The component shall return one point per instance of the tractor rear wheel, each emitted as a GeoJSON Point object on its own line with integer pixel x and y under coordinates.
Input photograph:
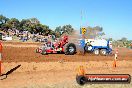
{"type": "Point", "coordinates": [70, 49]}
{"type": "Point", "coordinates": [88, 48]}
{"type": "Point", "coordinates": [37, 50]}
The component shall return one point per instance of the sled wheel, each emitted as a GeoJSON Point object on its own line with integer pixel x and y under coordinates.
{"type": "Point", "coordinates": [96, 51]}
{"type": "Point", "coordinates": [103, 52]}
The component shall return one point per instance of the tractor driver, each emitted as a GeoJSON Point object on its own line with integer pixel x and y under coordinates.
{"type": "Point", "coordinates": [89, 43]}
{"type": "Point", "coordinates": [45, 45]}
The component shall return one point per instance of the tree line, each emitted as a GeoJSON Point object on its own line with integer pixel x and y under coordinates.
{"type": "Point", "coordinates": [123, 42]}
{"type": "Point", "coordinates": [32, 25]}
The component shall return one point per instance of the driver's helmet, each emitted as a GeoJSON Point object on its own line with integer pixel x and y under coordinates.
{"type": "Point", "coordinates": [48, 42]}
{"type": "Point", "coordinates": [55, 40]}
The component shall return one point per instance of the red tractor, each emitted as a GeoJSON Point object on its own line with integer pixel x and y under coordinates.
{"type": "Point", "coordinates": [58, 47]}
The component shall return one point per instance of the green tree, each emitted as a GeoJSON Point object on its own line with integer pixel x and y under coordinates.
{"type": "Point", "coordinates": [14, 23]}
{"type": "Point", "coordinates": [68, 29]}
{"type": "Point", "coordinates": [3, 19]}
{"type": "Point", "coordinates": [111, 39]}
{"type": "Point", "coordinates": [123, 39]}
{"type": "Point", "coordinates": [58, 29]}
{"type": "Point", "coordinates": [24, 24]}
{"type": "Point", "coordinates": [33, 25]}
{"type": "Point", "coordinates": [3, 23]}
{"type": "Point", "coordinates": [34, 21]}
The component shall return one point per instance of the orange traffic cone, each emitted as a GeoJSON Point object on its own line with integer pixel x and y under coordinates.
{"type": "Point", "coordinates": [114, 64]}
{"type": "Point", "coordinates": [115, 58]}
{"type": "Point", "coordinates": [81, 70]}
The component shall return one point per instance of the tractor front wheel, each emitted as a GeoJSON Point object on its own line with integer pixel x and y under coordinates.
{"type": "Point", "coordinates": [43, 52]}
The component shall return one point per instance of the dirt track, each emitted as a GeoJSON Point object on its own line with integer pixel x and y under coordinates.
{"type": "Point", "coordinates": [25, 52]}
{"type": "Point", "coordinates": [57, 70]}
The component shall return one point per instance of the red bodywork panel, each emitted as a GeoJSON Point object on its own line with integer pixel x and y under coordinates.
{"type": "Point", "coordinates": [57, 45]}
{"type": "Point", "coordinates": [49, 50]}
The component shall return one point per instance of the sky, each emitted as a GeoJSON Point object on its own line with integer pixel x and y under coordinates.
{"type": "Point", "coordinates": [115, 16]}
